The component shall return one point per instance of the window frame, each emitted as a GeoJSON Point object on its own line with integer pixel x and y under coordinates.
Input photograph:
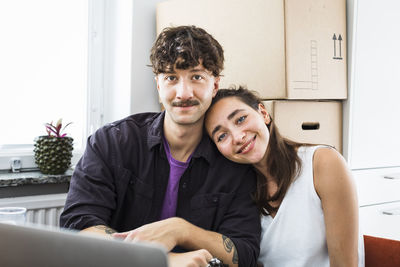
{"type": "Point", "coordinates": [97, 53]}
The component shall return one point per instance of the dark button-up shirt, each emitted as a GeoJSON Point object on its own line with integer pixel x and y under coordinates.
{"type": "Point", "coordinates": [121, 180]}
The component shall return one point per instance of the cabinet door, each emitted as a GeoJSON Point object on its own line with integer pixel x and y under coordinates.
{"type": "Point", "coordinates": [374, 84]}
{"type": "Point", "coordinates": [381, 220]}
{"type": "Point", "coordinates": [377, 186]}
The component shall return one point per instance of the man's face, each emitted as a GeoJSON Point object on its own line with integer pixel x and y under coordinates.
{"type": "Point", "coordinates": [187, 94]}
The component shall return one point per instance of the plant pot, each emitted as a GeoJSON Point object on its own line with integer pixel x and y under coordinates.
{"type": "Point", "coordinates": [53, 154]}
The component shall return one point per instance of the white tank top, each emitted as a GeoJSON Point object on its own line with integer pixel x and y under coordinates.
{"type": "Point", "coordinates": [296, 235]}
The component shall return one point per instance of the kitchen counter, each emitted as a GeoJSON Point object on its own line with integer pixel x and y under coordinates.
{"type": "Point", "coordinates": [33, 183]}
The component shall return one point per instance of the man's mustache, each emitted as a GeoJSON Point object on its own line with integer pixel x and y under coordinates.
{"type": "Point", "coordinates": [186, 103]}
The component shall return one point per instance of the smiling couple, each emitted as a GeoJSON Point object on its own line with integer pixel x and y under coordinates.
{"type": "Point", "coordinates": [211, 177]}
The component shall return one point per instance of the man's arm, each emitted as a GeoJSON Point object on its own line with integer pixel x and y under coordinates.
{"type": "Point", "coordinates": [221, 246]}
{"type": "Point", "coordinates": [178, 232]}
{"type": "Point", "coordinates": [102, 230]}
{"type": "Point", "coordinates": [199, 257]}
{"type": "Point", "coordinates": [91, 195]}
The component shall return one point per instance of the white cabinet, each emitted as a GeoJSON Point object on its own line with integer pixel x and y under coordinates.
{"type": "Point", "coordinates": [381, 220]}
{"type": "Point", "coordinates": [373, 188]}
{"type": "Point", "coordinates": [372, 111]}
{"type": "Point", "coordinates": [379, 201]}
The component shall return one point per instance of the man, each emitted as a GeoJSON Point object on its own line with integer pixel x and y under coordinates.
{"type": "Point", "coordinates": [157, 177]}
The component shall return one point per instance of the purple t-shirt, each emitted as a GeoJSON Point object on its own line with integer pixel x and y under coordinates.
{"type": "Point", "coordinates": [176, 170]}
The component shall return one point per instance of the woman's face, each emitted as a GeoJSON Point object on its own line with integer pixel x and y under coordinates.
{"type": "Point", "coordinates": [239, 131]}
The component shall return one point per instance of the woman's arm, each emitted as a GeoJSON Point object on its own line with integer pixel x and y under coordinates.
{"type": "Point", "coordinates": [335, 187]}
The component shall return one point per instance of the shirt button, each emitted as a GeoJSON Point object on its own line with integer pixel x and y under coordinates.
{"type": "Point", "coordinates": [215, 199]}
{"type": "Point", "coordinates": [184, 185]}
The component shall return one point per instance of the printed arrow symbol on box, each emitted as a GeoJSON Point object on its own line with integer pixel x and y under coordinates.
{"type": "Point", "coordinates": [340, 45]}
{"type": "Point", "coordinates": [334, 45]}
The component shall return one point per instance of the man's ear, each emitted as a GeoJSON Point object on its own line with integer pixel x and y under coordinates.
{"type": "Point", "coordinates": [216, 85]}
{"type": "Point", "coordinates": [264, 113]}
{"type": "Point", "coordinates": [156, 78]}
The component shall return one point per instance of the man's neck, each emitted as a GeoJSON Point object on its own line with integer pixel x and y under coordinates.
{"type": "Point", "coordinates": [182, 139]}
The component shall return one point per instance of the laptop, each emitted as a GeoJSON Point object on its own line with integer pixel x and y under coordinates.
{"type": "Point", "coordinates": [41, 246]}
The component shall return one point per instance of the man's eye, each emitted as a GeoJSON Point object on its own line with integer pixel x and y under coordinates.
{"type": "Point", "coordinates": [241, 119]}
{"type": "Point", "coordinates": [197, 77]}
{"type": "Point", "coordinates": [170, 78]}
{"type": "Point", "coordinates": [221, 137]}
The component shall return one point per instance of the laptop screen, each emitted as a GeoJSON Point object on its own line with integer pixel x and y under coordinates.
{"type": "Point", "coordinates": [39, 246]}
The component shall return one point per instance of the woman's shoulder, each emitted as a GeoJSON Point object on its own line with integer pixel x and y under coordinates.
{"type": "Point", "coordinates": [327, 157]}
{"type": "Point", "coordinates": [318, 155]}
{"type": "Point", "coordinates": [330, 170]}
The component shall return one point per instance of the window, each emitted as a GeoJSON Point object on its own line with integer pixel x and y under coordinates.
{"type": "Point", "coordinates": [51, 53]}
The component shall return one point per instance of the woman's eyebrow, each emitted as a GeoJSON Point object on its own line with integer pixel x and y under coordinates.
{"type": "Point", "coordinates": [236, 111]}
{"type": "Point", "coordinates": [216, 129]}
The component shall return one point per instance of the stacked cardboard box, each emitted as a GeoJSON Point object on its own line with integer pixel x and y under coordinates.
{"type": "Point", "coordinates": [315, 122]}
{"type": "Point", "coordinates": [286, 50]}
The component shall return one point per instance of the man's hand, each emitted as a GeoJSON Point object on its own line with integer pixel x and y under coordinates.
{"type": "Point", "coordinates": [179, 232]}
{"type": "Point", "coordinates": [195, 258]}
{"type": "Point", "coordinates": [166, 232]}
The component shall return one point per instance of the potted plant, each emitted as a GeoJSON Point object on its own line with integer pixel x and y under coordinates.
{"type": "Point", "coordinates": [53, 152]}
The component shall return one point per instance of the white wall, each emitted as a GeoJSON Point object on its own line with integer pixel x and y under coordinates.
{"type": "Point", "coordinates": [129, 86]}
{"type": "Point", "coordinates": [351, 13]}
{"type": "Point", "coordinates": [117, 62]}
{"type": "Point", "coordinates": [372, 111]}
{"type": "Point", "coordinates": [144, 91]}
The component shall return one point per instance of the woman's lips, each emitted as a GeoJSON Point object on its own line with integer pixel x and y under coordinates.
{"type": "Point", "coordinates": [247, 146]}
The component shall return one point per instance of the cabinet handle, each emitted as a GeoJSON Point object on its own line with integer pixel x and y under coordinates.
{"type": "Point", "coordinates": [395, 211]}
{"type": "Point", "coordinates": [392, 176]}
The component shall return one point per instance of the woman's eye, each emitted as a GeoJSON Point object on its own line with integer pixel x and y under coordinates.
{"type": "Point", "coordinates": [241, 119]}
{"type": "Point", "coordinates": [221, 137]}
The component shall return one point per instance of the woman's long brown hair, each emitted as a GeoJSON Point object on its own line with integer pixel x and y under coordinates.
{"type": "Point", "coordinates": [283, 163]}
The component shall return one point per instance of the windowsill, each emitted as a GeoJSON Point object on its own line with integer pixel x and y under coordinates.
{"type": "Point", "coordinates": [33, 183]}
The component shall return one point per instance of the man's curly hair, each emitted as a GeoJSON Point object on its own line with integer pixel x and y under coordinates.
{"type": "Point", "coordinates": [185, 47]}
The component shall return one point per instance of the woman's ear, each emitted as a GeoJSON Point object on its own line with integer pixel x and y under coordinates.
{"type": "Point", "coordinates": [264, 113]}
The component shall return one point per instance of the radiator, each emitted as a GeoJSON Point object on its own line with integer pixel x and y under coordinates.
{"type": "Point", "coordinates": [44, 209]}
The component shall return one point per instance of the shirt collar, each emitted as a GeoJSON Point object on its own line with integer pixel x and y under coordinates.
{"type": "Point", "coordinates": [206, 148]}
{"type": "Point", "coordinates": [154, 134]}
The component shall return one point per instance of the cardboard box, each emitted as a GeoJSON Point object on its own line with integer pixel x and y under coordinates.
{"type": "Point", "coordinates": [316, 49]}
{"type": "Point", "coordinates": [315, 122]}
{"type": "Point", "coordinates": [253, 34]}
{"type": "Point", "coordinates": [250, 32]}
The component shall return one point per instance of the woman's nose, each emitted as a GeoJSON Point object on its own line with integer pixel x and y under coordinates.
{"type": "Point", "coordinates": [239, 137]}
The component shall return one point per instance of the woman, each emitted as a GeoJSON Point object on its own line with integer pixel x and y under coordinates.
{"type": "Point", "coordinates": [305, 193]}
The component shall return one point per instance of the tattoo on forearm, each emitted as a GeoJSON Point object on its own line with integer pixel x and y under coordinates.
{"type": "Point", "coordinates": [229, 246]}
{"type": "Point", "coordinates": [235, 258]}
{"type": "Point", "coordinates": [106, 229]}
